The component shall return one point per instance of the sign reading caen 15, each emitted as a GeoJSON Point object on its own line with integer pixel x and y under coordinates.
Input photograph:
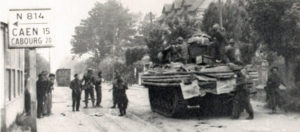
{"type": "Point", "coordinates": [30, 28]}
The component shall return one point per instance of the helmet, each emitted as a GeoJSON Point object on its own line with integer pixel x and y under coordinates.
{"type": "Point", "coordinates": [231, 41]}
{"type": "Point", "coordinates": [179, 39]}
{"type": "Point", "coordinates": [216, 26]}
{"type": "Point", "coordinates": [44, 73]}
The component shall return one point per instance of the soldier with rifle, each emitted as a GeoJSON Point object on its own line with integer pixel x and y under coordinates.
{"type": "Point", "coordinates": [120, 87]}
{"type": "Point", "coordinates": [241, 98]}
{"type": "Point", "coordinates": [89, 83]}
{"type": "Point", "coordinates": [272, 88]}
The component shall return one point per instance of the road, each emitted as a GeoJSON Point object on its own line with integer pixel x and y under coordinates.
{"type": "Point", "coordinates": [139, 117]}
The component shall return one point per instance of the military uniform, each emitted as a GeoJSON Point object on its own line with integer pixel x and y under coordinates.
{"type": "Point", "coordinates": [47, 97]}
{"type": "Point", "coordinates": [52, 78]}
{"type": "Point", "coordinates": [89, 82]}
{"type": "Point", "coordinates": [184, 52]}
{"type": "Point", "coordinates": [76, 93]}
{"type": "Point", "coordinates": [220, 41]}
{"type": "Point", "coordinates": [241, 99]}
{"type": "Point", "coordinates": [232, 53]}
{"type": "Point", "coordinates": [121, 97]}
{"type": "Point", "coordinates": [41, 87]}
{"type": "Point", "coordinates": [272, 89]}
{"type": "Point", "coordinates": [98, 89]}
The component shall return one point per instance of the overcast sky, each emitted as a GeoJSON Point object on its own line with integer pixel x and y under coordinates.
{"type": "Point", "coordinates": [67, 14]}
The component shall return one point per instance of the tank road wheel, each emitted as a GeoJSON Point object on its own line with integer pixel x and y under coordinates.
{"type": "Point", "coordinates": [216, 104]}
{"type": "Point", "coordinates": [153, 98]}
{"type": "Point", "coordinates": [167, 101]}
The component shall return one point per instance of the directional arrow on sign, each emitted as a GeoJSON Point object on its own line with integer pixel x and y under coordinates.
{"type": "Point", "coordinates": [16, 23]}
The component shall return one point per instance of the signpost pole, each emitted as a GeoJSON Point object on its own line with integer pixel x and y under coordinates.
{"type": "Point", "coordinates": [32, 86]}
{"type": "Point", "coordinates": [31, 28]}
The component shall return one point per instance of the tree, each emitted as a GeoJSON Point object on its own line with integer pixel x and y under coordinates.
{"type": "Point", "coordinates": [147, 24]}
{"type": "Point", "coordinates": [134, 55]}
{"type": "Point", "coordinates": [154, 41]}
{"type": "Point", "coordinates": [236, 25]}
{"type": "Point", "coordinates": [41, 64]}
{"type": "Point", "coordinates": [275, 22]}
{"type": "Point", "coordinates": [108, 24]}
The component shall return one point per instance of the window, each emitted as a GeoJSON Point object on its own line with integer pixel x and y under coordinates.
{"type": "Point", "coordinates": [8, 83]}
{"type": "Point", "coordinates": [22, 84]}
{"type": "Point", "coordinates": [14, 82]}
{"type": "Point", "coordinates": [19, 82]}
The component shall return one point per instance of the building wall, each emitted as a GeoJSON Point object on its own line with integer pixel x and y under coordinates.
{"type": "Point", "coordinates": [2, 69]}
{"type": "Point", "coordinates": [13, 71]}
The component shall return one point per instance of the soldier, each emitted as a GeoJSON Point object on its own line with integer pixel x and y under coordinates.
{"type": "Point", "coordinates": [272, 87]}
{"type": "Point", "coordinates": [241, 99]}
{"type": "Point", "coordinates": [98, 89]}
{"type": "Point", "coordinates": [220, 41]}
{"type": "Point", "coordinates": [89, 82]}
{"type": "Point", "coordinates": [49, 93]}
{"type": "Point", "coordinates": [121, 97]}
{"type": "Point", "coordinates": [183, 48]}
{"type": "Point", "coordinates": [232, 53]}
{"type": "Point", "coordinates": [76, 92]}
{"type": "Point", "coordinates": [114, 91]}
{"type": "Point", "coordinates": [42, 85]}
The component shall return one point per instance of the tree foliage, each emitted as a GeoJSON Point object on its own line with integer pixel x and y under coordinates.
{"type": "Point", "coordinates": [134, 55]}
{"type": "Point", "coordinates": [41, 64]}
{"type": "Point", "coordinates": [108, 24]}
{"type": "Point", "coordinates": [236, 25]}
{"type": "Point", "coordinates": [154, 41]}
{"type": "Point", "coordinates": [235, 20]}
{"type": "Point", "coordinates": [275, 23]}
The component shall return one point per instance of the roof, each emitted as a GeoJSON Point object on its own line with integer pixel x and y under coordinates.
{"type": "Point", "coordinates": [179, 12]}
{"type": "Point", "coordinates": [167, 8]}
{"type": "Point", "coordinates": [178, 4]}
{"type": "Point", "coordinates": [196, 5]}
{"type": "Point", "coordinates": [189, 2]}
{"type": "Point", "coordinates": [161, 18]}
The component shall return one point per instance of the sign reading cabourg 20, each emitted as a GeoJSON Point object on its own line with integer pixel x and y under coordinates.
{"type": "Point", "coordinates": [30, 28]}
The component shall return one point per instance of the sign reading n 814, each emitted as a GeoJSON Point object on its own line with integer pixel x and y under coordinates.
{"type": "Point", "coordinates": [30, 28]}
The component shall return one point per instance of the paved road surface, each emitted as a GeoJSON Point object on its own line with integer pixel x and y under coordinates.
{"type": "Point", "coordinates": [141, 119]}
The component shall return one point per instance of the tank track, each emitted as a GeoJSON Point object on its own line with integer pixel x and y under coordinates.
{"type": "Point", "coordinates": [167, 101]}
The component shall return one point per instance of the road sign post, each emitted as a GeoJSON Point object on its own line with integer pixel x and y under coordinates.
{"type": "Point", "coordinates": [30, 28]}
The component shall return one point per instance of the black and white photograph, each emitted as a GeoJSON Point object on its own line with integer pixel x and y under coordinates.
{"type": "Point", "coordinates": [149, 65]}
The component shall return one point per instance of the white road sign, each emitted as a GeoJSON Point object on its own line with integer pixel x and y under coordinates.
{"type": "Point", "coordinates": [30, 28]}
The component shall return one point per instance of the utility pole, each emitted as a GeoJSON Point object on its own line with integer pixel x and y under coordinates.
{"type": "Point", "coordinates": [220, 13]}
{"type": "Point", "coordinates": [32, 87]}
{"type": "Point", "coordinates": [113, 50]}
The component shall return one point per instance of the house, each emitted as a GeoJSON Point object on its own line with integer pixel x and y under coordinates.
{"type": "Point", "coordinates": [11, 80]}
{"type": "Point", "coordinates": [183, 10]}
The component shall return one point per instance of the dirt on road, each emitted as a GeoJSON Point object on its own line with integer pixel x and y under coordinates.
{"type": "Point", "coordinates": [140, 118]}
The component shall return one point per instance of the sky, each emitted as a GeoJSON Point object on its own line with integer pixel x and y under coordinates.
{"type": "Point", "coordinates": [67, 15]}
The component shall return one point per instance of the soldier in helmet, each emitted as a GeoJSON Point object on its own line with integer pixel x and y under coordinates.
{"type": "Point", "coordinates": [182, 50]}
{"type": "Point", "coordinates": [218, 35]}
{"type": "Point", "coordinates": [114, 90]}
{"type": "Point", "coordinates": [98, 89]}
{"type": "Point", "coordinates": [241, 99]}
{"type": "Point", "coordinates": [272, 88]}
{"type": "Point", "coordinates": [89, 83]}
{"type": "Point", "coordinates": [232, 53]}
{"type": "Point", "coordinates": [120, 87]}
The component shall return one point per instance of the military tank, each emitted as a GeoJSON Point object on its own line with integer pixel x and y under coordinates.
{"type": "Point", "coordinates": [203, 82]}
